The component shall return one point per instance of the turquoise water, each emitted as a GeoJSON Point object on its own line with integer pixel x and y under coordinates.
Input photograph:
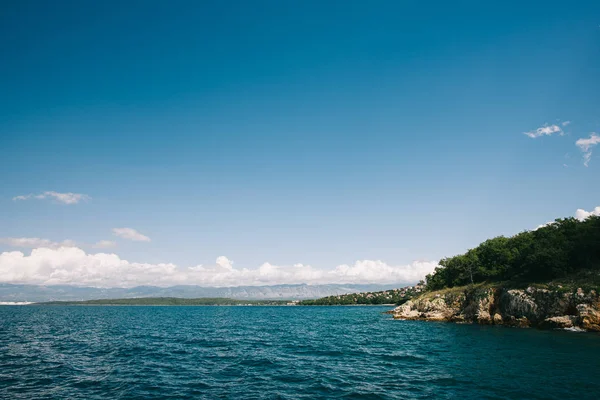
{"type": "Point", "coordinates": [282, 353]}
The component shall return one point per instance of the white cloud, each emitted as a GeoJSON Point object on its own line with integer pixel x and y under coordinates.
{"type": "Point", "coordinates": [580, 214]}
{"type": "Point", "coordinates": [566, 123]}
{"type": "Point", "coordinates": [64, 198]}
{"type": "Point", "coordinates": [546, 130]}
{"type": "Point", "coordinates": [378, 271]}
{"type": "Point", "coordinates": [130, 234]}
{"type": "Point", "coordinates": [583, 215]}
{"type": "Point", "coordinates": [104, 244]}
{"type": "Point", "coordinates": [224, 262]}
{"type": "Point", "coordinates": [544, 225]}
{"type": "Point", "coordinates": [68, 265]}
{"type": "Point", "coordinates": [585, 145]}
{"type": "Point", "coordinates": [32, 243]}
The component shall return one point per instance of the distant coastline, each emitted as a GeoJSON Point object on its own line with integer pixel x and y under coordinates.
{"type": "Point", "coordinates": [168, 301]}
{"type": "Point", "coordinates": [178, 302]}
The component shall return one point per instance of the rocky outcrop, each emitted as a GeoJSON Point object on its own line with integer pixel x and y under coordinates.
{"type": "Point", "coordinates": [590, 316]}
{"type": "Point", "coordinates": [532, 307]}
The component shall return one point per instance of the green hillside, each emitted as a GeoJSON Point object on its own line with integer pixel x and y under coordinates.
{"type": "Point", "coordinates": [560, 250]}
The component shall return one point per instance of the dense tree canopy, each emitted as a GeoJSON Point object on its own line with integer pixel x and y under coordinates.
{"type": "Point", "coordinates": [556, 250]}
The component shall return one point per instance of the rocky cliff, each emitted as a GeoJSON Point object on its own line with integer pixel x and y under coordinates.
{"type": "Point", "coordinates": [531, 307]}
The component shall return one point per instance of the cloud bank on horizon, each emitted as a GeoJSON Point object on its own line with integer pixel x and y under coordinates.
{"type": "Point", "coordinates": [55, 263]}
{"type": "Point", "coordinates": [67, 263]}
{"type": "Point", "coordinates": [72, 265]}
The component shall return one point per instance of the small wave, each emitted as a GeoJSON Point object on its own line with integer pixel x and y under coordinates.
{"type": "Point", "coordinates": [574, 329]}
{"type": "Point", "coordinates": [404, 357]}
{"type": "Point", "coordinates": [346, 352]}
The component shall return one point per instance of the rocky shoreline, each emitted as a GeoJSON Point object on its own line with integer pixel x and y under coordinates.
{"type": "Point", "coordinates": [531, 307]}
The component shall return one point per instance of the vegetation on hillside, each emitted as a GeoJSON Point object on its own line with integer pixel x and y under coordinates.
{"type": "Point", "coordinates": [168, 301]}
{"type": "Point", "coordinates": [393, 296]}
{"type": "Point", "coordinates": [562, 249]}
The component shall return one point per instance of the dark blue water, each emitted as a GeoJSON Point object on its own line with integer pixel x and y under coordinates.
{"type": "Point", "coordinates": [282, 353]}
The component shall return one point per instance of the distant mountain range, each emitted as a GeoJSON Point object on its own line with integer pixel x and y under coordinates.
{"type": "Point", "coordinates": [34, 293]}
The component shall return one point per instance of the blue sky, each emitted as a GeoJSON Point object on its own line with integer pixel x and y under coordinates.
{"type": "Point", "coordinates": [313, 132]}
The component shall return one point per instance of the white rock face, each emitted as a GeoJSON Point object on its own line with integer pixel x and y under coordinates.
{"type": "Point", "coordinates": [519, 304]}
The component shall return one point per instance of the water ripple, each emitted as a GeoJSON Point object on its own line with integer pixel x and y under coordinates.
{"type": "Point", "coordinates": [281, 353]}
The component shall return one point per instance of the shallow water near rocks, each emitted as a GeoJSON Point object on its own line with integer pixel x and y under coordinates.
{"type": "Point", "coordinates": [58, 352]}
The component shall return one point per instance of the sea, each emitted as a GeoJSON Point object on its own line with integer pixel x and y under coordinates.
{"type": "Point", "coordinates": [279, 352]}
